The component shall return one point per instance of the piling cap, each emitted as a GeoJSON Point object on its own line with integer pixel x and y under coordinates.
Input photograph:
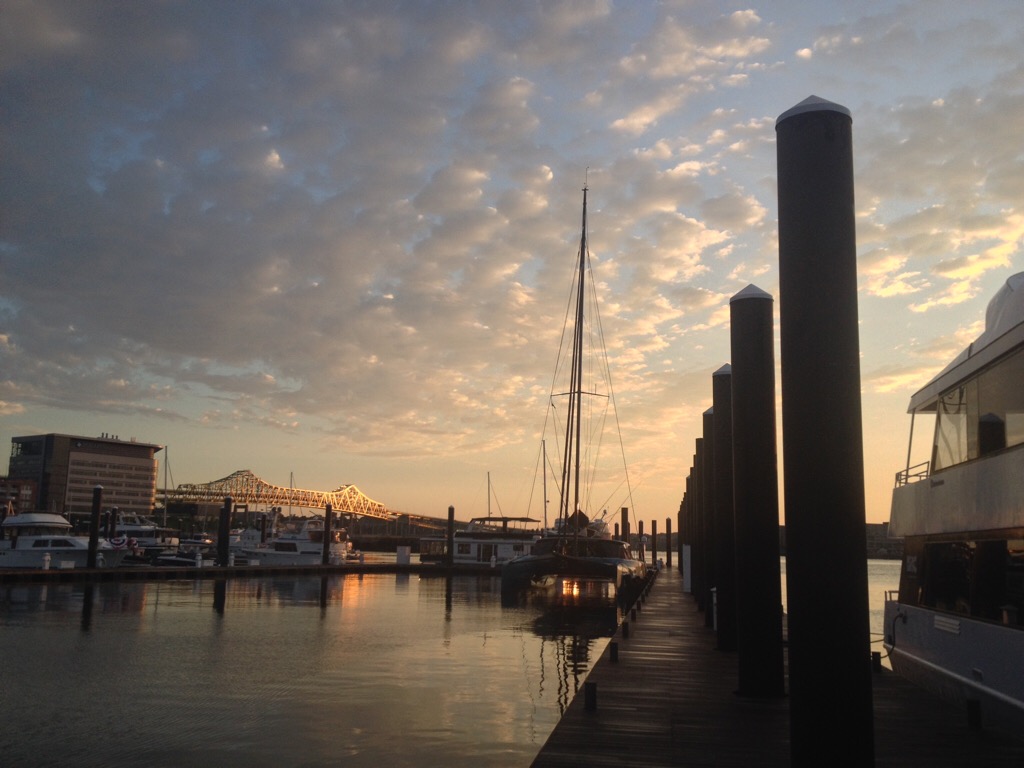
{"type": "Point", "coordinates": [751, 292]}
{"type": "Point", "coordinates": [725, 370]}
{"type": "Point", "coordinates": [813, 104]}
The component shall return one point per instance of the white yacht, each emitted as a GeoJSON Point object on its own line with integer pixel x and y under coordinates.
{"type": "Point", "coordinates": [44, 540]}
{"type": "Point", "coordinates": [300, 542]}
{"type": "Point", "coordinates": [955, 625]}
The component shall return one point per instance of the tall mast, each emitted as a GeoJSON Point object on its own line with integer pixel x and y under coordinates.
{"type": "Point", "coordinates": [573, 429]}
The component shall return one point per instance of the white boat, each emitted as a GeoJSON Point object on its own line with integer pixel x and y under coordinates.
{"type": "Point", "coordinates": [144, 537]}
{"type": "Point", "coordinates": [575, 558]}
{"type": "Point", "coordinates": [955, 625]}
{"type": "Point", "coordinates": [44, 540]}
{"type": "Point", "coordinates": [300, 542]}
{"type": "Point", "coordinates": [484, 540]}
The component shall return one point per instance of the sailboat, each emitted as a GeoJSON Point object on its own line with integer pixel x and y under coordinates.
{"type": "Point", "coordinates": [577, 557]}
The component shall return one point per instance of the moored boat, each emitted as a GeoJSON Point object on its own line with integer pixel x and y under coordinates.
{"type": "Point", "coordinates": [45, 540]}
{"type": "Point", "coordinates": [300, 542]}
{"type": "Point", "coordinates": [484, 540]}
{"type": "Point", "coordinates": [955, 625]}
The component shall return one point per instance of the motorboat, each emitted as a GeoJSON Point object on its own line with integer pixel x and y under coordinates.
{"type": "Point", "coordinates": [956, 624]}
{"type": "Point", "coordinates": [575, 556]}
{"type": "Point", "coordinates": [484, 540]}
{"type": "Point", "coordinates": [144, 537]}
{"type": "Point", "coordinates": [300, 541]}
{"type": "Point", "coordinates": [45, 540]}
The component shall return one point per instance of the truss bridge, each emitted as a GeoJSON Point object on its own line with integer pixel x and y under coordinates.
{"type": "Point", "coordinates": [246, 488]}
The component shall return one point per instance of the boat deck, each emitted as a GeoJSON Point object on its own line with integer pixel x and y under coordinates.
{"type": "Point", "coordinates": [669, 700]}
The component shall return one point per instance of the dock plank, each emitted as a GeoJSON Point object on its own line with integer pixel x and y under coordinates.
{"type": "Point", "coordinates": [670, 700]}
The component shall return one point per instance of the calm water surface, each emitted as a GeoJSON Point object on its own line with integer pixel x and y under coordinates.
{"type": "Point", "coordinates": [372, 670]}
{"type": "Point", "coordinates": [351, 670]}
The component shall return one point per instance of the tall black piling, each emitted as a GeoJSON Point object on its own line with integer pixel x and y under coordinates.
{"type": "Point", "coordinates": [325, 555]}
{"type": "Point", "coordinates": [725, 531]}
{"type": "Point", "coordinates": [697, 521]}
{"type": "Point", "coordinates": [625, 524]}
{"type": "Point", "coordinates": [449, 552]}
{"type": "Point", "coordinates": [224, 532]}
{"type": "Point", "coordinates": [680, 519]}
{"type": "Point", "coordinates": [756, 496]}
{"type": "Point", "coordinates": [708, 504]}
{"type": "Point", "coordinates": [826, 551]}
{"type": "Point", "coordinates": [94, 526]}
{"type": "Point", "coordinates": [654, 542]}
{"type": "Point", "coordinates": [668, 542]}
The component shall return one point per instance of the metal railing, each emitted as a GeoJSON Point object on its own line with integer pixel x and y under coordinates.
{"type": "Point", "coordinates": [912, 474]}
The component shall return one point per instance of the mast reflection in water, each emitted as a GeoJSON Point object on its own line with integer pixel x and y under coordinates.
{"type": "Point", "coordinates": [360, 670]}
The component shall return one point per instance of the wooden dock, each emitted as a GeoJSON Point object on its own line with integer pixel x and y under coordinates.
{"type": "Point", "coordinates": [669, 700]}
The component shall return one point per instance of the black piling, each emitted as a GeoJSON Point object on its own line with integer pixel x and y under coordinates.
{"type": "Point", "coordinates": [668, 542]}
{"type": "Point", "coordinates": [625, 524]}
{"type": "Point", "coordinates": [224, 532]}
{"type": "Point", "coordinates": [449, 552]}
{"type": "Point", "coordinates": [826, 551]}
{"type": "Point", "coordinates": [725, 531]}
{"type": "Point", "coordinates": [756, 496]}
{"type": "Point", "coordinates": [654, 542]}
{"type": "Point", "coordinates": [708, 515]}
{"type": "Point", "coordinates": [94, 526]}
{"type": "Point", "coordinates": [680, 517]}
{"type": "Point", "coordinates": [325, 556]}
{"type": "Point", "coordinates": [697, 522]}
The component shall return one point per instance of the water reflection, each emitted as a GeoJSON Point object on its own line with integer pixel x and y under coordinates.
{"type": "Point", "coordinates": [411, 671]}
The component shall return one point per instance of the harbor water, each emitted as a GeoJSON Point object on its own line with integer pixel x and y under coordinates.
{"type": "Point", "coordinates": [351, 670]}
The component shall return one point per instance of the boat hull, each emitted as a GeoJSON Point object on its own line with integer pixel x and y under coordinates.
{"type": "Point", "coordinates": [960, 659]}
{"type": "Point", "coordinates": [39, 558]}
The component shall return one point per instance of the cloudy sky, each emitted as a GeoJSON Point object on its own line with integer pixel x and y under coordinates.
{"type": "Point", "coordinates": [334, 240]}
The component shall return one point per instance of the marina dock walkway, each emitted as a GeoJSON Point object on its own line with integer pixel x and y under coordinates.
{"type": "Point", "coordinates": [669, 701]}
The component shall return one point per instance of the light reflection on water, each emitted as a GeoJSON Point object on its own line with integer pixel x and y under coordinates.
{"type": "Point", "coordinates": [359, 670]}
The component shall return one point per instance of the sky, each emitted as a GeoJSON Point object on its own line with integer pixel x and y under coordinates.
{"type": "Point", "coordinates": [330, 242]}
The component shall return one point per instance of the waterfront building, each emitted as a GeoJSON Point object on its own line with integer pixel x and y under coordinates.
{"type": "Point", "coordinates": [64, 470]}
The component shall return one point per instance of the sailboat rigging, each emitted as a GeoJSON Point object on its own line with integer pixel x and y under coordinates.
{"type": "Point", "coordinates": [577, 548]}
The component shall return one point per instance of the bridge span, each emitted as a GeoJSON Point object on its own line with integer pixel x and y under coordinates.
{"type": "Point", "coordinates": [246, 488]}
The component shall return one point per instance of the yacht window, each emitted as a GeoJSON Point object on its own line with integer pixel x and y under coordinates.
{"type": "Point", "coordinates": [463, 548]}
{"type": "Point", "coordinates": [1000, 393]}
{"type": "Point", "coordinates": [953, 427]}
{"type": "Point", "coordinates": [981, 416]}
{"type": "Point", "coordinates": [41, 543]}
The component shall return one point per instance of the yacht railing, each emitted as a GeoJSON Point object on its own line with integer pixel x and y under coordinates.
{"type": "Point", "coordinates": [912, 474]}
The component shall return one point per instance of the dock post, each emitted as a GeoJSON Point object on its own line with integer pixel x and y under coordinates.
{"type": "Point", "coordinates": [325, 556]}
{"type": "Point", "coordinates": [654, 542]}
{"type": "Point", "coordinates": [625, 524]}
{"type": "Point", "coordinates": [668, 542]}
{"type": "Point", "coordinates": [94, 526]}
{"type": "Point", "coordinates": [449, 555]}
{"type": "Point", "coordinates": [826, 551]}
{"type": "Point", "coordinates": [708, 503]}
{"type": "Point", "coordinates": [590, 696]}
{"type": "Point", "coordinates": [697, 524]}
{"type": "Point", "coordinates": [756, 496]}
{"type": "Point", "coordinates": [224, 532]}
{"type": "Point", "coordinates": [680, 518]}
{"type": "Point", "coordinates": [725, 529]}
